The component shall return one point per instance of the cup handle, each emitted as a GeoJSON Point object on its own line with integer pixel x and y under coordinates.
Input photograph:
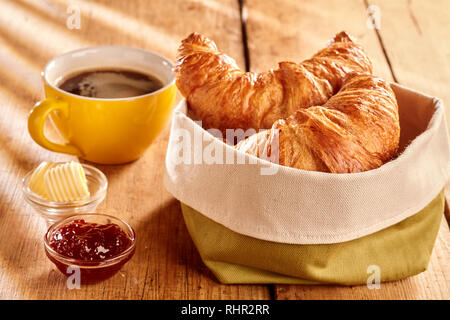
{"type": "Point", "coordinates": [36, 121]}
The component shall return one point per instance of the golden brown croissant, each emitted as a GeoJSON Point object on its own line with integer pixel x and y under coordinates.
{"type": "Point", "coordinates": [223, 96]}
{"type": "Point", "coordinates": [355, 130]}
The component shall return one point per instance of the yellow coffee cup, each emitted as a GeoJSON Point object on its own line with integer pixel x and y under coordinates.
{"type": "Point", "coordinates": [106, 131]}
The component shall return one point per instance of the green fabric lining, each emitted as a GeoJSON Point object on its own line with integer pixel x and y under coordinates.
{"type": "Point", "coordinates": [400, 251]}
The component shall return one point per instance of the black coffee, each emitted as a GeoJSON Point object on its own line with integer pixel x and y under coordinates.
{"type": "Point", "coordinates": [110, 83]}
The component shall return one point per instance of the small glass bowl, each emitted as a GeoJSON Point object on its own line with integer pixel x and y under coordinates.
{"type": "Point", "coordinates": [54, 211]}
{"type": "Point", "coordinates": [91, 271]}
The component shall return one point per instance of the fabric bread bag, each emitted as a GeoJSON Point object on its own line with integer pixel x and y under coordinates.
{"type": "Point", "coordinates": [256, 221]}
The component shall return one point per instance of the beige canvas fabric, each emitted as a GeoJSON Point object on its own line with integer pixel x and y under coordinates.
{"type": "Point", "coordinates": [303, 207]}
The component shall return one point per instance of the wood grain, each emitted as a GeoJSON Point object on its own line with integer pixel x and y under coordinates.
{"type": "Point", "coordinates": [293, 30]}
{"type": "Point", "coordinates": [416, 38]}
{"type": "Point", "coordinates": [166, 264]}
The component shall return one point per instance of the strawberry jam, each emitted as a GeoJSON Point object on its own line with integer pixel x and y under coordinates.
{"type": "Point", "coordinates": [97, 249]}
{"type": "Point", "coordinates": [89, 241]}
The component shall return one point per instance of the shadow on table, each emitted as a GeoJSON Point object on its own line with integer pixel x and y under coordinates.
{"type": "Point", "coordinates": [100, 24]}
{"type": "Point", "coordinates": [173, 260]}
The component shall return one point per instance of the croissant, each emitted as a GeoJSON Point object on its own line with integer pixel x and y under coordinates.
{"type": "Point", "coordinates": [355, 130]}
{"type": "Point", "coordinates": [223, 96]}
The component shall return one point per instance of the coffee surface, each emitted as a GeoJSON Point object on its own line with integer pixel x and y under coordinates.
{"type": "Point", "coordinates": [110, 83]}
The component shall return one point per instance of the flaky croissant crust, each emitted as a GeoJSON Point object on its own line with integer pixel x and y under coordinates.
{"type": "Point", "coordinates": [223, 96]}
{"type": "Point", "coordinates": [326, 114]}
{"type": "Point", "coordinates": [355, 130]}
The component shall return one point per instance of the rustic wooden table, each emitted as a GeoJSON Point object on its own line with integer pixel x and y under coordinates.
{"type": "Point", "coordinates": [411, 47]}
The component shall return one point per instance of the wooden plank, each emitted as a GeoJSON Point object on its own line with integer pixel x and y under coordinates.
{"type": "Point", "coordinates": [416, 38]}
{"type": "Point", "coordinates": [420, 58]}
{"type": "Point", "coordinates": [166, 264]}
{"type": "Point", "coordinates": [296, 29]}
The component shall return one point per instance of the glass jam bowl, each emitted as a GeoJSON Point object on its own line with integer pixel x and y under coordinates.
{"type": "Point", "coordinates": [53, 211]}
{"type": "Point", "coordinates": [94, 270]}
